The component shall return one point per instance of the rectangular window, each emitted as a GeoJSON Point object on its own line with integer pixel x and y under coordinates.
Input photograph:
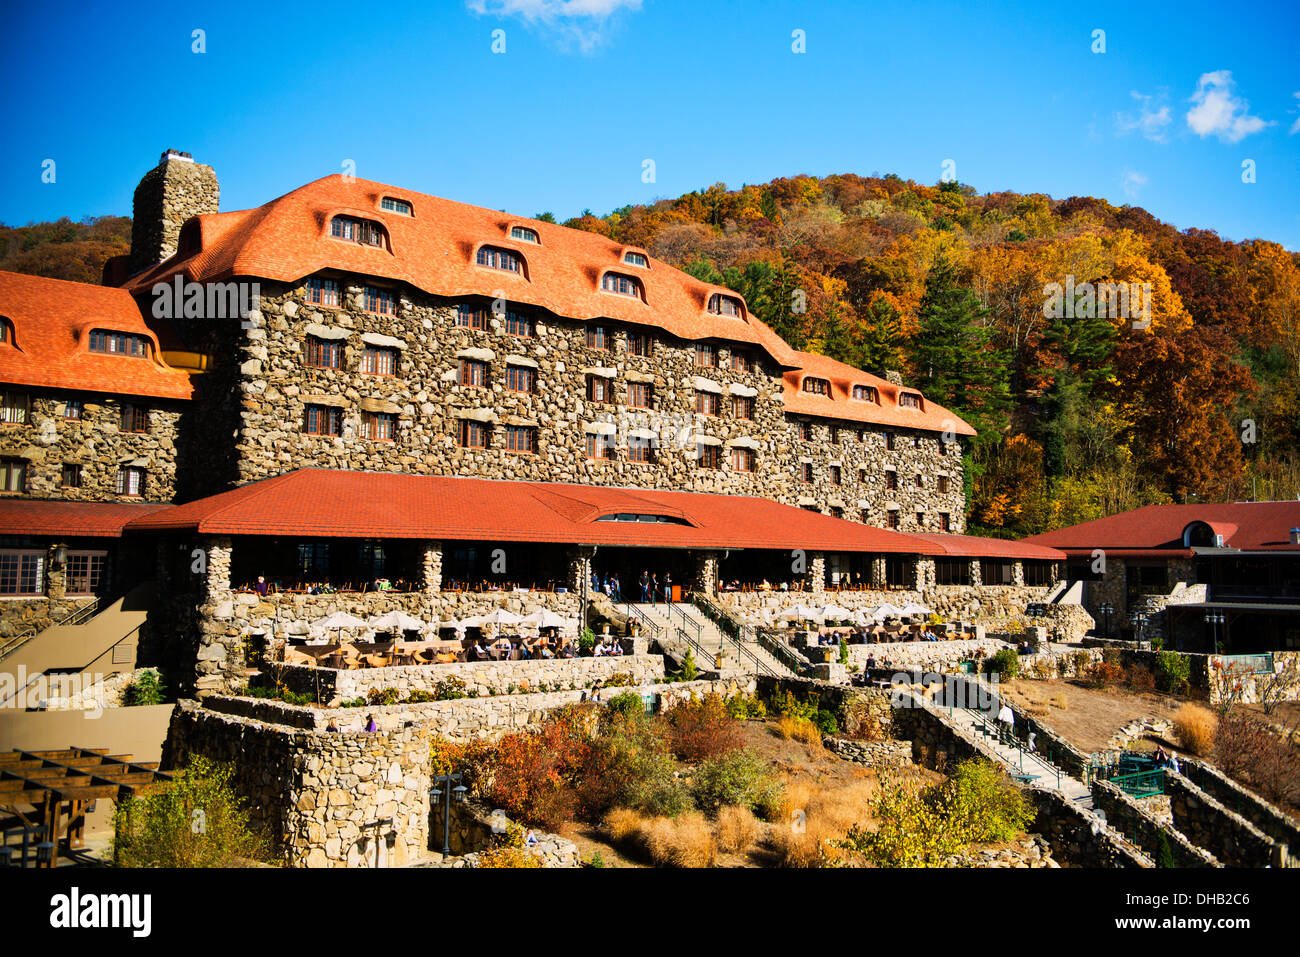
{"type": "Point", "coordinates": [597, 337]}
{"type": "Point", "coordinates": [471, 434]}
{"type": "Point", "coordinates": [1038, 573]}
{"type": "Point", "coordinates": [473, 372]}
{"type": "Point", "coordinates": [835, 435]}
{"type": "Point", "coordinates": [521, 438]}
{"type": "Point", "coordinates": [806, 471]}
{"type": "Point", "coordinates": [323, 292]}
{"type": "Point", "coordinates": [135, 418]}
{"type": "Point", "coordinates": [118, 343]}
{"type": "Point", "coordinates": [71, 476]}
{"type": "Point", "coordinates": [920, 482]}
{"type": "Point", "coordinates": [641, 450]}
{"type": "Point", "coordinates": [22, 572]}
{"type": "Point", "coordinates": [130, 480]}
{"type": "Point", "coordinates": [705, 355]}
{"type": "Point", "coordinates": [943, 484]}
{"type": "Point", "coordinates": [742, 406]}
{"type": "Point", "coordinates": [15, 407]}
{"type": "Point", "coordinates": [891, 480]}
{"type": "Point", "coordinates": [920, 519]}
{"type": "Point", "coordinates": [600, 446]}
{"type": "Point", "coordinates": [862, 475]}
{"type": "Point", "coordinates": [945, 522]}
{"type": "Point", "coordinates": [891, 441]}
{"type": "Point", "coordinates": [706, 403]}
{"type": "Point", "coordinates": [835, 475]}
{"type": "Point", "coordinates": [710, 456]}
{"type": "Point", "coordinates": [864, 517]}
{"type": "Point", "coordinates": [599, 389]}
{"type": "Point", "coordinates": [521, 379]}
{"type": "Point", "coordinates": [638, 344]}
{"type": "Point", "coordinates": [380, 301]}
{"type": "Point", "coordinates": [742, 460]}
{"type": "Point", "coordinates": [13, 475]}
{"type": "Point", "coordinates": [837, 512]}
{"type": "Point", "coordinates": [73, 409]}
{"type": "Point", "coordinates": [740, 361]}
{"type": "Point", "coordinates": [379, 426]}
{"type": "Point", "coordinates": [395, 205]}
{"type": "Point", "coordinates": [472, 317]}
{"type": "Point", "coordinates": [996, 572]}
{"type": "Point", "coordinates": [323, 420]}
{"type": "Point", "coordinates": [640, 395]}
{"type": "Point", "coordinates": [518, 324]}
{"type": "Point", "coordinates": [324, 353]}
{"type": "Point", "coordinates": [865, 393]}
{"type": "Point", "coordinates": [84, 572]}
{"type": "Point", "coordinates": [816, 386]}
{"type": "Point", "coordinates": [951, 571]}
{"type": "Point", "coordinates": [805, 431]}
{"type": "Point", "coordinates": [891, 518]}
{"type": "Point", "coordinates": [379, 360]}
{"type": "Point", "coordinates": [909, 400]}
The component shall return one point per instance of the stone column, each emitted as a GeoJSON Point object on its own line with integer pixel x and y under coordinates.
{"type": "Point", "coordinates": [216, 576]}
{"type": "Point", "coordinates": [432, 567]}
{"type": "Point", "coordinates": [706, 574]}
{"type": "Point", "coordinates": [976, 575]}
{"type": "Point", "coordinates": [1018, 573]}
{"type": "Point", "coordinates": [56, 577]}
{"type": "Point", "coordinates": [878, 571]}
{"type": "Point", "coordinates": [580, 567]}
{"type": "Point", "coordinates": [816, 577]}
{"type": "Point", "coordinates": [923, 574]}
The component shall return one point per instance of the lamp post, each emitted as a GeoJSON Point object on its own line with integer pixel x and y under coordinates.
{"type": "Point", "coordinates": [1214, 620]}
{"type": "Point", "coordinates": [1139, 626]}
{"type": "Point", "coordinates": [1107, 609]}
{"type": "Point", "coordinates": [448, 794]}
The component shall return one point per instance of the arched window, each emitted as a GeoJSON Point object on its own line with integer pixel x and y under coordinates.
{"type": "Point", "coordinates": [363, 231]}
{"type": "Point", "coordinates": [118, 343]}
{"type": "Point", "coordinates": [394, 205]}
{"type": "Point", "coordinates": [636, 259]}
{"type": "Point", "coordinates": [524, 234]}
{"type": "Point", "coordinates": [6, 332]}
{"type": "Point", "coordinates": [620, 284]}
{"type": "Point", "coordinates": [866, 393]}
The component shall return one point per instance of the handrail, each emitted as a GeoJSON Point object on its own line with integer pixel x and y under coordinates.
{"type": "Point", "coordinates": [743, 633]}
{"type": "Point", "coordinates": [642, 618]}
{"type": "Point", "coordinates": [76, 617]}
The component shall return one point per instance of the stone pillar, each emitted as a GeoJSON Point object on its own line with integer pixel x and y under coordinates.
{"type": "Point", "coordinates": [706, 574]}
{"type": "Point", "coordinates": [816, 577]}
{"type": "Point", "coordinates": [580, 567]}
{"type": "Point", "coordinates": [976, 575]}
{"type": "Point", "coordinates": [1018, 573]}
{"type": "Point", "coordinates": [216, 577]}
{"type": "Point", "coordinates": [432, 566]}
{"type": "Point", "coordinates": [56, 577]}
{"type": "Point", "coordinates": [923, 574]}
{"type": "Point", "coordinates": [878, 571]}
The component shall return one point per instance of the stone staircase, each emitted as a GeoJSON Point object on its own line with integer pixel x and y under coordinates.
{"type": "Point", "coordinates": [684, 619]}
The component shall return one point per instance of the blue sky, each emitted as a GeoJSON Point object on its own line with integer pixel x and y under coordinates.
{"type": "Point", "coordinates": [587, 90]}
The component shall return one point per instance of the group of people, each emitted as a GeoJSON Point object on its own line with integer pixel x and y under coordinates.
{"type": "Point", "coordinates": [607, 647]}
{"type": "Point", "coordinates": [526, 648]}
{"type": "Point", "coordinates": [653, 588]}
{"type": "Point", "coordinates": [607, 585]}
{"type": "Point", "coordinates": [263, 587]}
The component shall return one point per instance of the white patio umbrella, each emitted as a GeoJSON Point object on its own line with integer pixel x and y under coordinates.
{"type": "Point", "coordinates": [339, 620]}
{"type": "Point", "coordinates": [912, 608]}
{"type": "Point", "coordinates": [499, 616]}
{"type": "Point", "coordinates": [396, 621]}
{"type": "Point", "coordinates": [544, 618]}
{"type": "Point", "coordinates": [836, 613]}
{"type": "Point", "coordinates": [881, 612]}
{"type": "Point", "coordinates": [801, 613]}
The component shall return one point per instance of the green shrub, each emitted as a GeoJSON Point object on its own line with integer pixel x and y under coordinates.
{"type": "Point", "coordinates": [1173, 672]}
{"type": "Point", "coordinates": [596, 860]}
{"type": "Point", "coordinates": [586, 641]}
{"type": "Point", "coordinates": [627, 703]}
{"type": "Point", "coordinates": [353, 703]}
{"type": "Point", "coordinates": [737, 777]}
{"type": "Point", "coordinates": [744, 707]}
{"type": "Point", "coordinates": [844, 651]}
{"type": "Point", "coordinates": [146, 689]}
{"type": "Point", "coordinates": [420, 696]}
{"type": "Point", "coordinates": [689, 671]}
{"type": "Point", "coordinates": [450, 689]}
{"type": "Point", "coordinates": [197, 820]}
{"type": "Point", "coordinates": [825, 721]}
{"type": "Point", "coordinates": [1005, 664]}
{"type": "Point", "coordinates": [982, 803]}
{"type": "Point", "coordinates": [383, 696]}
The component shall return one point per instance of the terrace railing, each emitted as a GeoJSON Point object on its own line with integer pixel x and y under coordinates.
{"type": "Point", "coordinates": [80, 616]}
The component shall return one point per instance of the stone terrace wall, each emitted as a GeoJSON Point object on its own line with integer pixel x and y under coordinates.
{"type": "Point", "coordinates": [485, 678]}
{"type": "Point", "coordinates": [1247, 803]}
{"type": "Point", "coordinates": [861, 711]}
{"type": "Point", "coordinates": [313, 794]}
{"type": "Point", "coordinates": [1225, 834]}
{"type": "Point", "coordinates": [1003, 603]}
{"type": "Point", "coordinates": [1078, 837]}
{"type": "Point", "coordinates": [923, 654]}
{"type": "Point", "coordinates": [1133, 821]}
{"type": "Point", "coordinates": [462, 719]}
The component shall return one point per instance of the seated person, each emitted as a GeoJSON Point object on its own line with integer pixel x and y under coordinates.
{"type": "Point", "coordinates": [525, 652]}
{"type": "Point", "coordinates": [546, 652]}
{"type": "Point", "coordinates": [567, 650]}
{"type": "Point", "coordinates": [615, 647]}
{"type": "Point", "coordinates": [480, 653]}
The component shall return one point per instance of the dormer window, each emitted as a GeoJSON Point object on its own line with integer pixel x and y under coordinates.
{"type": "Point", "coordinates": [620, 284]}
{"type": "Point", "coordinates": [363, 231]}
{"type": "Point", "coordinates": [496, 258]}
{"type": "Point", "coordinates": [909, 400]}
{"type": "Point", "coordinates": [636, 259]}
{"type": "Point", "coordinates": [119, 343]}
{"type": "Point", "coordinates": [816, 386]}
{"type": "Point", "coordinates": [866, 393]}
{"type": "Point", "coordinates": [524, 234]}
{"type": "Point", "coordinates": [724, 305]}
{"type": "Point", "coordinates": [399, 206]}
{"type": "Point", "coordinates": [6, 332]}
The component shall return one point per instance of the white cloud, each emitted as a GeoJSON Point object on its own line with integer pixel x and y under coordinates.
{"type": "Point", "coordinates": [1295, 127]}
{"type": "Point", "coordinates": [1133, 182]}
{"type": "Point", "coordinates": [1148, 121]}
{"type": "Point", "coordinates": [1218, 111]}
{"type": "Point", "coordinates": [581, 24]}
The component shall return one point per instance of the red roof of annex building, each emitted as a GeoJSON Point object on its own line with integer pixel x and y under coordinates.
{"type": "Point", "coordinates": [434, 249]}
{"type": "Point", "coordinates": [52, 321]}
{"type": "Point", "coordinates": [1174, 530]}
{"type": "Point", "coordinates": [323, 503]}
{"type": "Point", "coordinates": [49, 518]}
{"type": "Point", "coordinates": [973, 546]}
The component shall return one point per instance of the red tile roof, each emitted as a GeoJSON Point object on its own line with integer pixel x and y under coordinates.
{"type": "Point", "coordinates": [1156, 530]}
{"type": "Point", "coordinates": [973, 546]}
{"type": "Point", "coordinates": [434, 250]}
{"type": "Point", "coordinates": [52, 320]}
{"type": "Point", "coordinates": [45, 517]}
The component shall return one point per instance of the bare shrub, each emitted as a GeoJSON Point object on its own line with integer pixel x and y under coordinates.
{"type": "Point", "coordinates": [737, 829]}
{"type": "Point", "coordinates": [1195, 728]}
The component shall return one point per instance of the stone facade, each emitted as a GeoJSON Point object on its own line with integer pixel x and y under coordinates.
{"type": "Point", "coordinates": [169, 194]}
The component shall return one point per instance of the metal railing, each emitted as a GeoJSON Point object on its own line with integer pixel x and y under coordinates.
{"type": "Point", "coordinates": [77, 617]}
{"type": "Point", "coordinates": [739, 634]}
{"type": "Point", "coordinates": [642, 619]}
{"type": "Point", "coordinates": [1141, 784]}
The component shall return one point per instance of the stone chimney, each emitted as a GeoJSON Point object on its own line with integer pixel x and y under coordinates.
{"type": "Point", "coordinates": [893, 376]}
{"type": "Point", "coordinates": [170, 193]}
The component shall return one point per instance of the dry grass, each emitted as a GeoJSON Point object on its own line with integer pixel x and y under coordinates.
{"type": "Point", "coordinates": [684, 841]}
{"type": "Point", "coordinates": [1195, 728]}
{"type": "Point", "coordinates": [799, 729]}
{"type": "Point", "coordinates": [812, 816]}
{"type": "Point", "coordinates": [737, 829]}
{"type": "Point", "coordinates": [1059, 701]}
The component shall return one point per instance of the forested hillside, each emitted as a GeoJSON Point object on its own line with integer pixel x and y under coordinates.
{"type": "Point", "coordinates": [1078, 417]}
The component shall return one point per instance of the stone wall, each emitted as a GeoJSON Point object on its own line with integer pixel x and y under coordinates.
{"type": "Point", "coordinates": [315, 795]}
{"type": "Point", "coordinates": [481, 678]}
{"type": "Point", "coordinates": [1269, 819]}
{"type": "Point", "coordinates": [474, 826]}
{"type": "Point", "coordinates": [930, 655]}
{"type": "Point", "coordinates": [861, 712]}
{"type": "Point", "coordinates": [1080, 838]}
{"type": "Point", "coordinates": [95, 442]}
{"type": "Point", "coordinates": [1224, 833]}
{"type": "Point", "coordinates": [1131, 819]}
{"type": "Point", "coordinates": [873, 754]}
